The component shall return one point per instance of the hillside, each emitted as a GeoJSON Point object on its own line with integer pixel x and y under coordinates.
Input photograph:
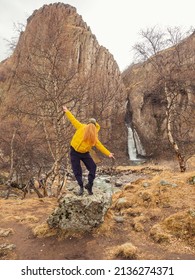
{"type": "Point", "coordinates": [168, 74]}
{"type": "Point", "coordinates": [153, 217]}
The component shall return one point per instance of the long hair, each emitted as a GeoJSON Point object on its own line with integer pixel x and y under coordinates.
{"type": "Point", "coordinates": [90, 134]}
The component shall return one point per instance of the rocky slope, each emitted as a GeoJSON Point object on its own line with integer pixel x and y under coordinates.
{"type": "Point", "coordinates": [152, 217]}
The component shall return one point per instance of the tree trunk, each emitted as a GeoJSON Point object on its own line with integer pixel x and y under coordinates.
{"type": "Point", "coordinates": [180, 157]}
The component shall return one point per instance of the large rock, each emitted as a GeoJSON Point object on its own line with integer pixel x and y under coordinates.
{"type": "Point", "coordinates": [80, 213]}
{"type": "Point", "coordinates": [58, 52]}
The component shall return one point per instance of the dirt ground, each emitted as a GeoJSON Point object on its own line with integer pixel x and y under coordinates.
{"type": "Point", "coordinates": [155, 217]}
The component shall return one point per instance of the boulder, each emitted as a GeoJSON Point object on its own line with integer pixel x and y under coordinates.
{"type": "Point", "coordinates": [80, 213]}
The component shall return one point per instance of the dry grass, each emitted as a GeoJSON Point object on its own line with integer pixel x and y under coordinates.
{"type": "Point", "coordinates": [125, 251]}
{"type": "Point", "coordinates": [21, 210]}
{"type": "Point", "coordinates": [158, 235]}
{"type": "Point", "coordinates": [138, 223]}
{"type": "Point", "coordinates": [163, 215]}
{"type": "Point", "coordinates": [43, 230]}
{"type": "Point", "coordinates": [177, 193]}
{"type": "Point", "coordinates": [161, 207]}
{"type": "Point", "coordinates": [106, 228]}
{"type": "Point", "coordinates": [142, 168]}
{"type": "Point", "coordinates": [26, 219]}
{"type": "Point", "coordinates": [191, 163]}
{"type": "Point", "coordinates": [181, 224]}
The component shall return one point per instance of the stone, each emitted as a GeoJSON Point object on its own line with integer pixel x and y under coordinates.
{"type": "Point", "coordinates": [118, 184]}
{"type": "Point", "coordinates": [119, 219]}
{"type": "Point", "coordinates": [164, 183]}
{"type": "Point", "coordinates": [192, 212]}
{"type": "Point", "coordinates": [80, 213]}
{"type": "Point", "coordinates": [174, 185]}
{"type": "Point", "coordinates": [6, 247]}
{"type": "Point", "coordinates": [146, 184]}
{"type": "Point", "coordinates": [191, 180]}
{"type": "Point", "coordinates": [5, 232]}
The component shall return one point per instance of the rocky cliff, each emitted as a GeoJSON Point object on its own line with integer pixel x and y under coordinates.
{"type": "Point", "coordinates": [145, 84]}
{"type": "Point", "coordinates": [57, 57]}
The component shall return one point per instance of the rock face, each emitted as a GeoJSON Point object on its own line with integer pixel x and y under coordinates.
{"type": "Point", "coordinates": [80, 213]}
{"type": "Point", "coordinates": [57, 55]}
{"type": "Point", "coordinates": [147, 101]}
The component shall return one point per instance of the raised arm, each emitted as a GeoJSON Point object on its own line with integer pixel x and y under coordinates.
{"type": "Point", "coordinates": [72, 118]}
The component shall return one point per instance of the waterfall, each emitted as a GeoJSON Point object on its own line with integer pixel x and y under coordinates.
{"type": "Point", "coordinates": [131, 145]}
{"type": "Point", "coordinates": [135, 148]}
{"type": "Point", "coordinates": [140, 148]}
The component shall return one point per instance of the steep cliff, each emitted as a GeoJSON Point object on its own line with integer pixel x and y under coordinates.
{"type": "Point", "coordinates": [58, 60]}
{"type": "Point", "coordinates": [146, 85]}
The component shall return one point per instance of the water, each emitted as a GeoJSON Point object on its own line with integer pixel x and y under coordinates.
{"type": "Point", "coordinates": [135, 148]}
{"type": "Point", "coordinates": [140, 148]}
{"type": "Point", "coordinates": [132, 151]}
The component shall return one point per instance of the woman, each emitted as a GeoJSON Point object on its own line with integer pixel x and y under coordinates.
{"type": "Point", "coordinates": [85, 137]}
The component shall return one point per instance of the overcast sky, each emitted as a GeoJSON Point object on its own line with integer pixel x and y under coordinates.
{"type": "Point", "coordinates": [116, 24]}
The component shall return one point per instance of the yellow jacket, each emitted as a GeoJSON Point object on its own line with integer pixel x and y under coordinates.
{"type": "Point", "coordinates": [77, 141]}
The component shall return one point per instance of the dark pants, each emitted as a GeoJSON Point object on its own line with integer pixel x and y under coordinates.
{"type": "Point", "coordinates": [76, 159]}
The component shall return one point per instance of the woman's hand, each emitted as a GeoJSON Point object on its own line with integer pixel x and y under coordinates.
{"type": "Point", "coordinates": [111, 155]}
{"type": "Point", "coordinates": [65, 108]}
